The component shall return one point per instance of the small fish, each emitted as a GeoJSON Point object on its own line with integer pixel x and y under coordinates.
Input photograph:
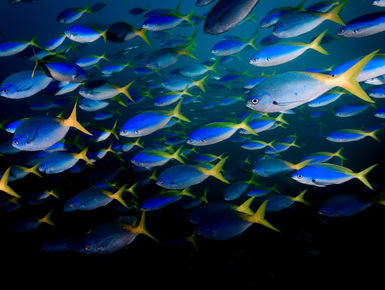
{"type": "Point", "coordinates": [217, 131]}
{"type": "Point", "coordinates": [343, 205]}
{"type": "Point", "coordinates": [321, 157]}
{"type": "Point", "coordinates": [232, 46]}
{"type": "Point", "coordinates": [83, 33]}
{"type": "Point", "coordinates": [15, 47]}
{"type": "Point", "coordinates": [269, 166]}
{"type": "Point", "coordinates": [57, 162]}
{"type": "Point", "coordinates": [380, 113]}
{"type": "Point", "coordinates": [40, 133]}
{"type": "Point", "coordinates": [324, 174]}
{"type": "Point", "coordinates": [93, 198]}
{"type": "Point", "coordinates": [154, 158]}
{"type": "Point", "coordinates": [22, 85]}
{"type": "Point", "coordinates": [70, 15]}
{"type": "Point", "coordinates": [378, 93]}
{"type": "Point", "coordinates": [285, 52]}
{"type": "Point", "coordinates": [111, 237]}
{"type": "Point", "coordinates": [121, 32]}
{"type": "Point", "coordinates": [226, 14]}
{"type": "Point", "coordinates": [183, 176]}
{"type": "Point", "coordinates": [100, 90]}
{"type": "Point", "coordinates": [148, 122]}
{"type": "Point", "coordinates": [364, 25]}
{"type": "Point", "coordinates": [349, 135]}
{"type": "Point", "coordinates": [296, 23]}
{"type": "Point", "coordinates": [350, 110]}
{"type": "Point", "coordinates": [55, 42]}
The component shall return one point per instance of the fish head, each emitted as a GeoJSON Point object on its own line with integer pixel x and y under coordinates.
{"type": "Point", "coordinates": [20, 141]}
{"type": "Point", "coordinates": [348, 31]}
{"type": "Point", "coordinates": [7, 90]}
{"type": "Point", "coordinates": [195, 140]}
{"type": "Point", "coordinates": [261, 102]}
{"type": "Point", "coordinates": [80, 76]}
{"type": "Point", "coordinates": [130, 132]}
{"type": "Point", "coordinates": [260, 60]}
{"type": "Point", "coordinates": [304, 178]}
{"type": "Point", "coordinates": [165, 181]}
{"type": "Point", "coordinates": [148, 24]}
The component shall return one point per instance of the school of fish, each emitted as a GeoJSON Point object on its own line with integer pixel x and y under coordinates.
{"type": "Point", "coordinates": [161, 126]}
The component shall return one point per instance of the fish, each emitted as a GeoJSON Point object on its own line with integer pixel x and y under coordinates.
{"type": "Point", "coordinates": [289, 90]}
{"type": "Point", "coordinates": [321, 157]}
{"type": "Point", "coordinates": [93, 198]}
{"type": "Point", "coordinates": [364, 25]}
{"type": "Point", "coordinates": [350, 110]}
{"type": "Point", "coordinates": [232, 46]}
{"type": "Point", "coordinates": [343, 205]}
{"type": "Point", "coordinates": [227, 14]}
{"type": "Point", "coordinates": [111, 237]}
{"type": "Point", "coordinates": [324, 174]}
{"type": "Point", "coordinates": [349, 135]}
{"type": "Point", "coordinates": [148, 122]}
{"type": "Point", "coordinates": [297, 23]}
{"type": "Point", "coordinates": [271, 166]}
{"type": "Point", "coordinates": [22, 85]}
{"type": "Point", "coordinates": [59, 161]}
{"type": "Point", "coordinates": [121, 31]}
{"type": "Point", "coordinates": [83, 33]}
{"type": "Point", "coordinates": [183, 176]}
{"type": "Point", "coordinates": [100, 90]}
{"type": "Point", "coordinates": [285, 52]}
{"type": "Point", "coordinates": [217, 131]}
{"type": "Point", "coordinates": [40, 133]}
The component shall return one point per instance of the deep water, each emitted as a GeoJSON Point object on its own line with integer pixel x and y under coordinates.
{"type": "Point", "coordinates": [311, 250]}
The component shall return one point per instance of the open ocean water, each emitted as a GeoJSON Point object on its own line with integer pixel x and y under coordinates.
{"type": "Point", "coordinates": [310, 249]}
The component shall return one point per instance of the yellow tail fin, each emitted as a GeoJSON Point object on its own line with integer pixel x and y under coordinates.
{"type": "Point", "coordinates": [316, 43]}
{"type": "Point", "coordinates": [300, 165]}
{"type": "Point", "coordinates": [124, 90]}
{"type": "Point", "coordinates": [4, 184]}
{"type": "Point", "coordinates": [177, 114]}
{"type": "Point", "coordinates": [299, 197]}
{"type": "Point", "coordinates": [200, 83]}
{"type": "Point", "coordinates": [215, 171]}
{"type": "Point", "coordinates": [259, 217]}
{"type": "Point", "coordinates": [347, 80]}
{"type": "Point", "coordinates": [142, 33]}
{"type": "Point", "coordinates": [117, 195]}
{"type": "Point", "coordinates": [332, 15]}
{"type": "Point", "coordinates": [83, 155]}
{"type": "Point", "coordinates": [140, 228]}
{"type": "Point", "coordinates": [47, 219]}
{"type": "Point", "coordinates": [72, 122]}
{"type": "Point", "coordinates": [362, 176]}
{"type": "Point", "coordinates": [245, 207]}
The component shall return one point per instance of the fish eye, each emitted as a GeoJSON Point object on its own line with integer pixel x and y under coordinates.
{"type": "Point", "coordinates": [124, 131]}
{"type": "Point", "coordinates": [15, 142]}
{"type": "Point", "coordinates": [5, 91]}
{"type": "Point", "coordinates": [275, 103]}
{"type": "Point", "coordinates": [255, 101]}
{"type": "Point", "coordinates": [333, 75]}
{"type": "Point", "coordinates": [189, 140]}
{"type": "Point", "coordinates": [299, 176]}
{"type": "Point", "coordinates": [136, 131]}
{"type": "Point", "coordinates": [160, 181]}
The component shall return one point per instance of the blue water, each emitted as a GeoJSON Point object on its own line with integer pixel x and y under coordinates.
{"type": "Point", "coordinates": [309, 248]}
